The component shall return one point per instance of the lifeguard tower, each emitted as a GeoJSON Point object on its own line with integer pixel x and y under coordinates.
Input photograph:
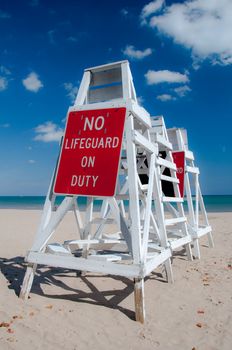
{"type": "Point", "coordinates": [198, 223]}
{"type": "Point", "coordinates": [106, 147]}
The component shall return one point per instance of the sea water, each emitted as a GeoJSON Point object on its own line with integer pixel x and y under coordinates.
{"type": "Point", "coordinates": [213, 203]}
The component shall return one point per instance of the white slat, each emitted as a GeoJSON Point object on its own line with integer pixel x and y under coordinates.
{"type": "Point", "coordinates": [169, 178]}
{"type": "Point", "coordinates": [161, 140]}
{"type": "Point", "coordinates": [174, 221]}
{"type": "Point", "coordinates": [189, 155]}
{"type": "Point", "coordinates": [166, 163]}
{"type": "Point", "coordinates": [140, 113]}
{"type": "Point", "coordinates": [143, 142]}
{"type": "Point", "coordinates": [172, 199]}
{"type": "Point", "coordinates": [193, 170]}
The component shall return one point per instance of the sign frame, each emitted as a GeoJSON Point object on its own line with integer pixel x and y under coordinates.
{"type": "Point", "coordinates": [93, 108]}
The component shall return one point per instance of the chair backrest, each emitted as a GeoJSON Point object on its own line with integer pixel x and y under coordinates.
{"type": "Point", "coordinates": [108, 82]}
{"type": "Point", "coordinates": [173, 138]}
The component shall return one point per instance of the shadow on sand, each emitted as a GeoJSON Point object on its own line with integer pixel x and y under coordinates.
{"type": "Point", "coordinates": [14, 269]}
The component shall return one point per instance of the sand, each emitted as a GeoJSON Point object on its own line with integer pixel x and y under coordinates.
{"type": "Point", "coordinates": [97, 312]}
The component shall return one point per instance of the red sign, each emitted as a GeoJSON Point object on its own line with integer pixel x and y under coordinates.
{"type": "Point", "coordinates": [179, 160]}
{"type": "Point", "coordinates": [89, 160]}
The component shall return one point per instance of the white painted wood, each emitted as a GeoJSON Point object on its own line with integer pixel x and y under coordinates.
{"type": "Point", "coordinates": [162, 141]}
{"type": "Point", "coordinates": [138, 226]}
{"type": "Point", "coordinates": [107, 66]}
{"type": "Point", "coordinates": [83, 264]}
{"type": "Point", "coordinates": [193, 170]}
{"type": "Point", "coordinates": [44, 234]}
{"type": "Point", "coordinates": [140, 113]}
{"type": "Point", "coordinates": [126, 86]}
{"type": "Point", "coordinates": [56, 248]}
{"type": "Point", "coordinates": [147, 216]}
{"type": "Point", "coordinates": [133, 191]}
{"type": "Point", "coordinates": [194, 215]}
{"type": "Point", "coordinates": [169, 178]}
{"type": "Point", "coordinates": [158, 259]}
{"type": "Point", "coordinates": [175, 221]}
{"type": "Point", "coordinates": [78, 218]}
{"type": "Point", "coordinates": [166, 163]}
{"type": "Point", "coordinates": [82, 91]}
{"type": "Point", "coordinates": [172, 199]}
{"type": "Point", "coordinates": [142, 141]}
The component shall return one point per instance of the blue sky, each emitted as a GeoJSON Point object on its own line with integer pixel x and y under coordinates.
{"type": "Point", "coordinates": [180, 54]}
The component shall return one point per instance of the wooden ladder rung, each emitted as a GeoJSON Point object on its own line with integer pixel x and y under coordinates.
{"type": "Point", "coordinates": [161, 140]}
{"type": "Point", "coordinates": [169, 178]}
{"type": "Point", "coordinates": [172, 199]}
{"type": "Point", "coordinates": [189, 155]}
{"type": "Point", "coordinates": [174, 221]}
{"type": "Point", "coordinates": [191, 169]}
{"type": "Point", "coordinates": [166, 163]}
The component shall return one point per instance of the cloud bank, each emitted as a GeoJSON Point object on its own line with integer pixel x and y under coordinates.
{"type": "Point", "coordinates": [48, 132]}
{"type": "Point", "coordinates": [203, 26]}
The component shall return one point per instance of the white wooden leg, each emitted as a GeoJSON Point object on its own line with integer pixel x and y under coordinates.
{"type": "Point", "coordinates": [196, 249]}
{"type": "Point", "coordinates": [27, 281]}
{"type": "Point", "coordinates": [168, 271]}
{"type": "Point", "coordinates": [189, 251]}
{"type": "Point", "coordinates": [210, 239]}
{"type": "Point", "coordinates": [139, 300]}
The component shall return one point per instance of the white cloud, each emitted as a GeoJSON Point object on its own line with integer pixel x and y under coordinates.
{"type": "Point", "coordinates": [131, 52]}
{"type": "Point", "coordinates": [31, 161]}
{"type": "Point", "coordinates": [150, 8]}
{"type": "Point", "coordinates": [165, 76]}
{"type": "Point", "coordinates": [48, 132]}
{"type": "Point", "coordinates": [203, 26]}
{"type": "Point", "coordinates": [165, 97]}
{"type": "Point", "coordinates": [71, 91]}
{"type": "Point", "coordinates": [181, 91]}
{"type": "Point", "coordinates": [32, 82]}
{"type": "Point", "coordinates": [3, 83]}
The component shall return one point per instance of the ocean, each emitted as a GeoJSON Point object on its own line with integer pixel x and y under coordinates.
{"type": "Point", "coordinates": [213, 203]}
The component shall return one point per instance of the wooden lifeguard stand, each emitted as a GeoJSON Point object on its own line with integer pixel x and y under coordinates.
{"type": "Point", "coordinates": [198, 223]}
{"type": "Point", "coordinates": [173, 212]}
{"type": "Point", "coordinates": [106, 134]}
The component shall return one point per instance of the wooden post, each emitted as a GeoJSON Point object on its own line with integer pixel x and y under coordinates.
{"type": "Point", "coordinates": [28, 280]}
{"type": "Point", "coordinates": [139, 300]}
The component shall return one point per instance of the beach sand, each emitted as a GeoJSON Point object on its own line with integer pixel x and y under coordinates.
{"type": "Point", "coordinates": [66, 311]}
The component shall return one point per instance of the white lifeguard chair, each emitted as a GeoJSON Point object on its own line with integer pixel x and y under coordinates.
{"type": "Point", "coordinates": [106, 105]}
{"type": "Point", "coordinates": [175, 221]}
{"type": "Point", "coordinates": [198, 223]}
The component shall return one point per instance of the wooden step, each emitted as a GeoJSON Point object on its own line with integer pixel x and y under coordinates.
{"type": "Point", "coordinates": [191, 169]}
{"type": "Point", "coordinates": [189, 155]}
{"type": "Point", "coordinates": [174, 221]}
{"type": "Point", "coordinates": [166, 163]}
{"type": "Point", "coordinates": [162, 141]}
{"type": "Point", "coordinates": [169, 178]}
{"type": "Point", "coordinates": [58, 249]}
{"type": "Point", "coordinates": [172, 199]}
